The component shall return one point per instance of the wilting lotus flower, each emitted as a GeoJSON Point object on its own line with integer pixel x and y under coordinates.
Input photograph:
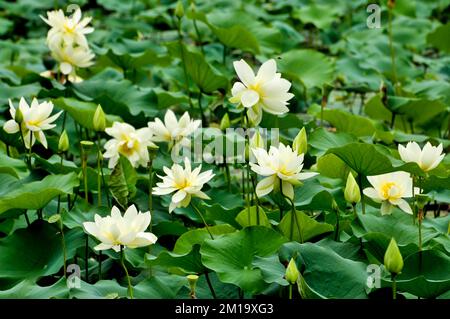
{"type": "Point", "coordinates": [70, 58]}
{"type": "Point", "coordinates": [175, 132]}
{"type": "Point", "coordinates": [116, 230]}
{"type": "Point", "coordinates": [35, 120]}
{"type": "Point", "coordinates": [279, 164]}
{"type": "Point", "coordinates": [69, 31]}
{"type": "Point", "coordinates": [186, 183]}
{"type": "Point", "coordinates": [427, 158]}
{"type": "Point", "coordinates": [390, 189]}
{"type": "Point", "coordinates": [129, 142]}
{"type": "Point", "coordinates": [266, 91]}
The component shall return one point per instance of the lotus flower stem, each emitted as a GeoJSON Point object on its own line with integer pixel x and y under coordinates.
{"type": "Point", "coordinates": [293, 216]}
{"type": "Point", "coordinates": [63, 242]}
{"type": "Point", "coordinates": [211, 288]}
{"type": "Point", "coordinates": [100, 265]}
{"type": "Point", "coordinates": [256, 199]}
{"type": "Point", "coordinates": [355, 214]}
{"type": "Point", "coordinates": [290, 291]}
{"type": "Point", "coordinates": [84, 169]}
{"type": "Point", "coordinates": [26, 218]}
{"type": "Point", "coordinates": [105, 185]}
{"type": "Point", "coordinates": [150, 186]}
{"type": "Point", "coordinates": [59, 196]}
{"type": "Point", "coordinates": [202, 113]}
{"type": "Point", "coordinates": [198, 36]}
{"type": "Point", "coordinates": [363, 204]}
{"type": "Point", "coordinates": [203, 219]}
{"type": "Point", "coordinates": [99, 178]}
{"type": "Point", "coordinates": [394, 287]}
{"type": "Point", "coordinates": [122, 262]}
{"type": "Point", "coordinates": [86, 257]}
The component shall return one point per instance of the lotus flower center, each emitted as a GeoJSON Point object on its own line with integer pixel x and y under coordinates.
{"type": "Point", "coordinates": [68, 28]}
{"type": "Point", "coordinates": [390, 190]}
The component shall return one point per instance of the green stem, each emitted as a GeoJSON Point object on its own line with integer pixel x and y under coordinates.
{"type": "Point", "coordinates": [394, 288]}
{"type": "Point", "coordinates": [354, 210]}
{"type": "Point", "coordinates": [198, 36]}
{"type": "Point", "coordinates": [363, 204]}
{"type": "Point", "coordinates": [84, 168]}
{"type": "Point", "coordinates": [59, 196]}
{"type": "Point", "coordinates": [27, 219]}
{"type": "Point", "coordinates": [203, 219]}
{"type": "Point", "coordinates": [63, 241]}
{"type": "Point", "coordinates": [290, 292]}
{"type": "Point", "coordinates": [122, 262]}
{"type": "Point", "coordinates": [256, 199]}
{"type": "Point", "coordinates": [211, 288]}
{"type": "Point", "coordinates": [86, 257]}
{"type": "Point", "coordinates": [293, 216]}
{"type": "Point", "coordinates": [336, 234]}
{"type": "Point", "coordinates": [99, 178]}
{"type": "Point", "coordinates": [103, 177]}
{"type": "Point", "coordinates": [100, 265]}
{"type": "Point", "coordinates": [150, 186]}
{"type": "Point", "coordinates": [202, 113]}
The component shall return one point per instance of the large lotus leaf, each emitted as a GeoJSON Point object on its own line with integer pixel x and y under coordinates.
{"type": "Point", "coordinates": [160, 286]}
{"type": "Point", "coordinates": [253, 216]}
{"type": "Point", "coordinates": [349, 123]}
{"type": "Point", "coordinates": [184, 263]}
{"type": "Point", "coordinates": [29, 290]}
{"type": "Point", "coordinates": [12, 166]}
{"type": "Point", "coordinates": [314, 196]}
{"type": "Point", "coordinates": [309, 67]}
{"type": "Point", "coordinates": [322, 140]}
{"type": "Point", "coordinates": [301, 228]}
{"type": "Point", "coordinates": [36, 195]}
{"type": "Point", "coordinates": [326, 272]}
{"type": "Point", "coordinates": [231, 256]}
{"type": "Point", "coordinates": [36, 251]}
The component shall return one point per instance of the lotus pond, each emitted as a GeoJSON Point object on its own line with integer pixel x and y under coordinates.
{"type": "Point", "coordinates": [292, 149]}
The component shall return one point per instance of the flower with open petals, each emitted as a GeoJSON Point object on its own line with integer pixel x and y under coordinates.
{"type": "Point", "coordinates": [427, 158]}
{"type": "Point", "coordinates": [389, 189]}
{"type": "Point", "coordinates": [266, 91]}
{"type": "Point", "coordinates": [173, 131]}
{"type": "Point", "coordinates": [281, 165]}
{"type": "Point", "coordinates": [68, 30]}
{"type": "Point", "coordinates": [70, 58]}
{"type": "Point", "coordinates": [116, 230]}
{"type": "Point", "coordinates": [35, 120]}
{"type": "Point", "coordinates": [129, 142]}
{"type": "Point", "coordinates": [186, 183]}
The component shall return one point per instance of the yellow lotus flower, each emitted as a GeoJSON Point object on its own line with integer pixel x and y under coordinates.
{"type": "Point", "coordinates": [186, 183]}
{"type": "Point", "coordinates": [35, 120]}
{"type": "Point", "coordinates": [129, 142]}
{"type": "Point", "coordinates": [266, 91]}
{"type": "Point", "coordinates": [279, 164]}
{"type": "Point", "coordinates": [427, 158]}
{"type": "Point", "coordinates": [390, 189]}
{"type": "Point", "coordinates": [116, 230]}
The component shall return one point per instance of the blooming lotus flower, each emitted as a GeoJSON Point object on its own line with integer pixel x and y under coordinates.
{"type": "Point", "coordinates": [390, 189]}
{"type": "Point", "coordinates": [116, 230]}
{"type": "Point", "coordinates": [174, 132]}
{"type": "Point", "coordinates": [36, 119]}
{"type": "Point", "coordinates": [266, 91]}
{"type": "Point", "coordinates": [427, 158]}
{"type": "Point", "coordinates": [70, 58]}
{"type": "Point", "coordinates": [281, 165]}
{"type": "Point", "coordinates": [70, 31]}
{"type": "Point", "coordinates": [186, 183]}
{"type": "Point", "coordinates": [129, 142]}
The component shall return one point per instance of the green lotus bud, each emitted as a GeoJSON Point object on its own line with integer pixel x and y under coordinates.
{"type": "Point", "coordinates": [352, 193]}
{"type": "Point", "coordinates": [192, 280]}
{"type": "Point", "coordinates": [300, 144]}
{"type": "Point", "coordinates": [257, 141]}
{"type": "Point", "coordinates": [393, 260]}
{"type": "Point", "coordinates": [99, 120]}
{"type": "Point", "coordinates": [54, 218]}
{"type": "Point", "coordinates": [292, 272]}
{"type": "Point", "coordinates": [225, 122]}
{"type": "Point", "coordinates": [63, 144]}
{"type": "Point", "coordinates": [179, 9]}
{"type": "Point", "coordinates": [19, 116]}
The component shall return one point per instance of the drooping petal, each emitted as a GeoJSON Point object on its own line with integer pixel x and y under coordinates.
{"type": "Point", "coordinates": [265, 186]}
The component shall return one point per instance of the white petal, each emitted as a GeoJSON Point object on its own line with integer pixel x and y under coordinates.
{"type": "Point", "coordinates": [265, 186]}
{"type": "Point", "coordinates": [244, 72]}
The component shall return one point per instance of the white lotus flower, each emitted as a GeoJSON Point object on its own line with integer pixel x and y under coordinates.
{"type": "Point", "coordinates": [116, 230]}
{"type": "Point", "coordinates": [129, 142]}
{"type": "Point", "coordinates": [186, 183]}
{"type": "Point", "coordinates": [36, 119]}
{"type": "Point", "coordinates": [70, 58]}
{"type": "Point", "coordinates": [390, 189]}
{"type": "Point", "coordinates": [175, 132]}
{"type": "Point", "coordinates": [280, 165]}
{"type": "Point", "coordinates": [69, 31]}
{"type": "Point", "coordinates": [266, 91]}
{"type": "Point", "coordinates": [427, 158]}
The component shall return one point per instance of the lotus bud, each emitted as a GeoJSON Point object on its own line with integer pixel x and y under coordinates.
{"type": "Point", "coordinates": [352, 193]}
{"type": "Point", "coordinates": [19, 116]}
{"type": "Point", "coordinates": [63, 144]}
{"type": "Point", "coordinates": [225, 122]}
{"type": "Point", "coordinates": [422, 200]}
{"type": "Point", "coordinates": [292, 272]}
{"type": "Point", "coordinates": [393, 260]}
{"type": "Point", "coordinates": [99, 120]}
{"type": "Point", "coordinates": [257, 141]}
{"type": "Point", "coordinates": [300, 144]}
{"type": "Point", "coordinates": [192, 280]}
{"type": "Point", "coordinates": [179, 9]}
